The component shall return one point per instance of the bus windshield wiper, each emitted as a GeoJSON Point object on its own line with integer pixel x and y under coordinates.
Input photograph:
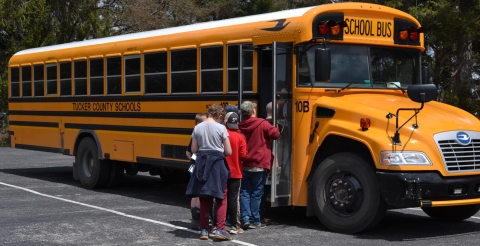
{"type": "Point", "coordinates": [349, 84]}
{"type": "Point", "coordinates": [403, 91]}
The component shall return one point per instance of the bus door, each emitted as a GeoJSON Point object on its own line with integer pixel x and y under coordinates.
{"type": "Point", "coordinates": [281, 91]}
{"type": "Point", "coordinates": [245, 65]}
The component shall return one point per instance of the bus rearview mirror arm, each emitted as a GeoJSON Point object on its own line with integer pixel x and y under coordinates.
{"type": "Point", "coordinates": [420, 93]}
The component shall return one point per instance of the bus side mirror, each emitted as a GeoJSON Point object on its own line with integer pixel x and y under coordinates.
{"type": "Point", "coordinates": [422, 93]}
{"type": "Point", "coordinates": [425, 75]}
{"type": "Point", "coordinates": [322, 64]}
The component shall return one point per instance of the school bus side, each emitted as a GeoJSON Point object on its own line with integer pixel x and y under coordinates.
{"type": "Point", "coordinates": [107, 129]}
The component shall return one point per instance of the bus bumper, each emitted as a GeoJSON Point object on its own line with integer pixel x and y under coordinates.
{"type": "Point", "coordinates": [401, 190]}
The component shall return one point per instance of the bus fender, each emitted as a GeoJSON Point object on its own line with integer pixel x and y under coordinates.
{"type": "Point", "coordinates": [88, 133]}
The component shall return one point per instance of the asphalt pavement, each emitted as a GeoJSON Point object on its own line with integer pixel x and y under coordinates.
{"type": "Point", "coordinates": [41, 204]}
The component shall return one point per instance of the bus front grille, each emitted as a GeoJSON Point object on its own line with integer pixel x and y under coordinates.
{"type": "Point", "coordinates": [459, 157]}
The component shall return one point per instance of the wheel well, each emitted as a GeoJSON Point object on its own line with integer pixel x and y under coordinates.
{"type": "Point", "coordinates": [85, 134]}
{"type": "Point", "coordinates": [335, 144]}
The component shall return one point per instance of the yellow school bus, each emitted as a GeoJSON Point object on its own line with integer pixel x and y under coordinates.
{"type": "Point", "coordinates": [360, 130]}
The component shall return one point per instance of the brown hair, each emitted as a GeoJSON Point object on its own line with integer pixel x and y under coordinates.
{"type": "Point", "coordinates": [215, 111]}
{"type": "Point", "coordinates": [199, 118]}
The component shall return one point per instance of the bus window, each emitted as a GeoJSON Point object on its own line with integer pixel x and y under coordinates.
{"type": "Point", "coordinates": [52, 79]}
{"type": "Point", "coordinates": [184, 71]}
{"type": "Point", "coordinates": [65, 79]}
{"type": "Point", "coordinates": [155, 73]}
{"type": "Point", "coordinates": [80, 80]}
{"type": "Point", "coordinates": [14, 82]}
{"type": "Point", "coordinates": [114, 73]}
{"type": "Point", "coordinates": [38, 80]}
{"type": "Point", "coordinates": [395, 65]}
{"type": "Point", "coordinates": [132, 73]}
{"type": "Point", "coordinates": [364, 66]}
{"type": "Point", "coordinates": [26, 81]}
{"type": "Point", "coordinates": [232, 65]}
{"type": "Point", "coordinates": [349, 64]}
{"type": "Point", "coordinates": [211, 69]}
{"type": "Point", "coordinates": [96, 76]}
{"type": "Point", "coordinates": [304, 68]}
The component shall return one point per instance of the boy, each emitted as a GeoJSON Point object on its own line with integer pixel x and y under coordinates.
{"type": "Point", "coordinates": [234, 161]}
{"type": "Point", "coordinates": [195, 202]}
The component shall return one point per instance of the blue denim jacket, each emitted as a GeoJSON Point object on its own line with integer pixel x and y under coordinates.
{"type": "Point", "coordinates": [210, 175]}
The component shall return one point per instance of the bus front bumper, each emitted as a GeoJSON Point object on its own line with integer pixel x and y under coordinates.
{"type": "Point", "coordinates": [402, 190]}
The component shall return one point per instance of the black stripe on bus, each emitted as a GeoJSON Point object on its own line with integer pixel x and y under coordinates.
{"type": "Point", "coordinates": [164, 163]}
{"type": "Point", "coordinates": [142, 115]}
{"type": "Point", "coordinates": [145, 129]}
{"type": "Point", "coordinates": [165, 98]}
{"type": "Point", "coordinates": [41, 148]}
{"type": "Point", "coordinates": [33, 123]}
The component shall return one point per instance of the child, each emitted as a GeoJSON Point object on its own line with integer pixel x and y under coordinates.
{"type": "Point", "coordinates": [195, 202]}
{"type": "Point", "coordinates": [234, 161]}
{"type": "Point", "coordinates": [209, 179]}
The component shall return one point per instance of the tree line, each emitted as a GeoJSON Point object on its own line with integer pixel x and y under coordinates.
{"type": "Point", "coordinates": [452, 30]}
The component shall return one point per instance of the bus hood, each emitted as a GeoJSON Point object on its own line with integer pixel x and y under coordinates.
{"type": "Point", "coordinates": [438, 117]}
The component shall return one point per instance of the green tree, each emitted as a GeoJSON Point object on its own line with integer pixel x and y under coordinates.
{"type": "Point", "coordinates": [35, 23]}
{"type": "Point", "coordinates": [22, 26]}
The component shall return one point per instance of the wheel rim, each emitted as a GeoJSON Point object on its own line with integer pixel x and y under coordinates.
{"type": "Point", "coordinates": [88, 164]}
{"type": "Point", "coordinates": [344, 194]}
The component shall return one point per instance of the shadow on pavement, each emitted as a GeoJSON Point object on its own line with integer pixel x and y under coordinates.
{"type": "Point", "coordinates": [148, 188]}
{"type": "Point", "coordinates": [397, 226]}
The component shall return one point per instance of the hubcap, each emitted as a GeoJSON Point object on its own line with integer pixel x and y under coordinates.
{"type": "Point", "coordinates": [88, 164]}
{"type": "Point", "coordinates": [345, 194]}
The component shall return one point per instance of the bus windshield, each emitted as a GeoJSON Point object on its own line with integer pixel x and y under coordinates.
{"type": "Point", "coordinates": [363, 66]}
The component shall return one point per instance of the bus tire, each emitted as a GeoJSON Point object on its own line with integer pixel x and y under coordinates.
{"type": "Point", "coordinates": [115, 177]}
{"type": "Point", "coordinates": [452, 213]}
{"type": "Point", "coordinates": [92, 172]}
{"type": "Point", "coordinates": [346, 195]}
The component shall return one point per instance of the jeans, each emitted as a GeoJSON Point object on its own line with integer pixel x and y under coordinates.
{"type": "Point", "coordinates": [251, 193]}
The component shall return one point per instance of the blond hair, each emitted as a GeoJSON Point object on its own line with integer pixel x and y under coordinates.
{"type": "Point", "coordinates": [200, 117]}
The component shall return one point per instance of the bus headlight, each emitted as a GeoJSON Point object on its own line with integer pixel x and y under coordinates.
{"type": "Point", "coordinates": [395, 158]}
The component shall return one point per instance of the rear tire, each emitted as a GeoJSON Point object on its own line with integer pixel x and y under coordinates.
{"type": "Point", "coordinates": [454, 213]}
{"type": "Point", "coordinates": [92, 172]}
{"type": "Point", "coordinates": [346, 195]}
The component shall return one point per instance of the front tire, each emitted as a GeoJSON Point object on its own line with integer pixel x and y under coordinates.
{"type": "Point", "coordinates": [346, 194]}
{"type": "Point", "coordinates": [454, 213]}
{"type": "Point", "coordinates": [92, 172]}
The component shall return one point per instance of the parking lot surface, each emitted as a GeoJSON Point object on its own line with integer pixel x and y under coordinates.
{"type": "Point", "coordinates": [41, 204]}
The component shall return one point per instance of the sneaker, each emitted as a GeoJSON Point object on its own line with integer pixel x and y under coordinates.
{"type": "Point", "coordinates": [195, 225]}
{"type": "Point", "coordinates": [235, 230]}
{"type": "Point", "coordinates": [245, 225]}
{"type": "Point", "coordinates": [204, 234]}
{"type": "Point", "coordinates": [223, 235]}
{"type": "Point", "coordinates": [255, 226]}
{"type": "Point", "coordinates": [214, 229]}
{"type": "Point", "coordinates": [266, 221]}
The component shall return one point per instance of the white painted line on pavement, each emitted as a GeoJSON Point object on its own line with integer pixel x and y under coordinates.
{"type": "Point", "coordinates": [419, 209]}
{"type": "Point", "coordinates": [116, 212]}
